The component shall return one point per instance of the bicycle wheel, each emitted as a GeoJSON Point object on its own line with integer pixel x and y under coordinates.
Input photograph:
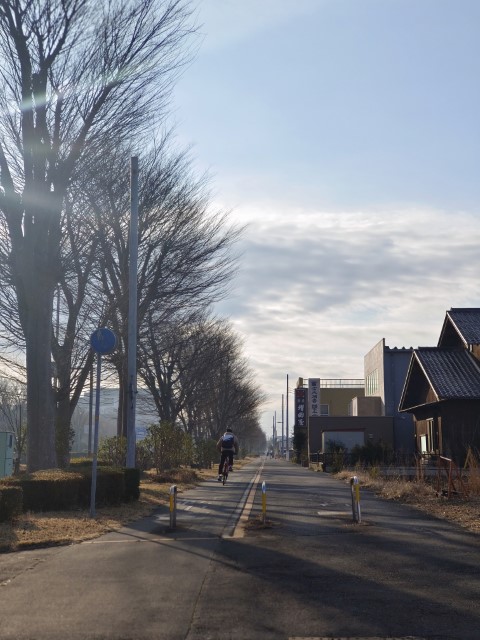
{"type": "Point", "coordinates": [225, 471]}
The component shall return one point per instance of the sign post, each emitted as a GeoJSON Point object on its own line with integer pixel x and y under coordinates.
{"type": "Point", "coordinates": [300, 412]}
{"type": "Point", "coordinates": [313, 406]}
{"type": "Point", "coordinates": [103, 341]}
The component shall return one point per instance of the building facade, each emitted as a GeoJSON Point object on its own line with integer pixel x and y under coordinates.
{"type": "Point", "coordinates": [385, 371]}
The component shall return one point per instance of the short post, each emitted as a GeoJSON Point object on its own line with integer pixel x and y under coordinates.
{"type": "Point", "coordinates": [355, 488]}
{"type": "Point", "coordinates": [264, 502]}
{"type": "Point", "coordinates": [173, 506]}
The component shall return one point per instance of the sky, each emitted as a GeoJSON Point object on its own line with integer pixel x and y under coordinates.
{"type": "Point", "coordinates": [345, 135]}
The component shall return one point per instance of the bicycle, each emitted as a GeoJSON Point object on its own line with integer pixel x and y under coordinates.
{"type": "Point", "coordinates": [225, 470]}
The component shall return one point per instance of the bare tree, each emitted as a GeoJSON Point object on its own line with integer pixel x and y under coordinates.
{"type": "Point", "coordinates": [251, 436]}
{"type": "Point", "coordinates": [197, 375]}
{"type": "Point", "coordinates": [73, 73]}
{"type": "Point", "coordinates": [185, 251]}
{"type": "Point", "coordinates": [80, 308]}
{"type": "Point", "coordinates": [175, 355]}
{"type": "Point", "coordinates": [225, 394]}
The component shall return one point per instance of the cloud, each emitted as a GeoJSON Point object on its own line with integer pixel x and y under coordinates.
{"type": "Point", "coordinates": [317, 290]}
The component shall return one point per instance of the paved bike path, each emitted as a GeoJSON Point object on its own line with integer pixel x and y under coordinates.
{"type": "Point", "coordinates": [141, 582]}
{"type": "Point", "coordinates": [311, 574]}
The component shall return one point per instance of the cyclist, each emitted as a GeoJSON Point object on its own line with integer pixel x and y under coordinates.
{"type": "Point", "coordinates": [227, 445]}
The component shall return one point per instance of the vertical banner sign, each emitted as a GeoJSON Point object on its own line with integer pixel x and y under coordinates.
{"type": "Point", "coordinates": [300, 408]}
{"type": "Point", "coordinates": [314, 397]}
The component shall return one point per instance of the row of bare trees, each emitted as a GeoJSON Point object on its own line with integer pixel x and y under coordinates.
{"type": "Point", "coordinates": [197, 376]}
{"type": "Point", "coordinates": [85, 85]}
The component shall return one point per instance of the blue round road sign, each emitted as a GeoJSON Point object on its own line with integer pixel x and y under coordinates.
{"type": "Point", "coordinates": [103, 341]}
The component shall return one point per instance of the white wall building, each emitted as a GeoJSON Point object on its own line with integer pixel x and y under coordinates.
{"type": "Point", "coordinates": [145, 416]}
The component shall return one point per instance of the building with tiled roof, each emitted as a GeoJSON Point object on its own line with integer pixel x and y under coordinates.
{"type": "Point", "coordinates": [442, 389]}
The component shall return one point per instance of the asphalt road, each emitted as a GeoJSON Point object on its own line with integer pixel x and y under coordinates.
{"type": "Point", "coordinates": [310, 573]}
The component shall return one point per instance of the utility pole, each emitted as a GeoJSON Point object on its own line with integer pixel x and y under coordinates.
{"type": "Point", "coordinates": [273, 436]}
{"type": "Point", "coordinates": [275, 422]}
{"type": "Point", "coordinates": [288, 443]}
{"type": "Point", "coordinates": [132, 313]}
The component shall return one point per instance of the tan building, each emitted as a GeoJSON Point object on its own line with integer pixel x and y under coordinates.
{"type": "Point", "coordinates": [347, 418]}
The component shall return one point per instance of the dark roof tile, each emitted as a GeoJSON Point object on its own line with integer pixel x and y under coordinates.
{"type": "Point", "coordinates": [467, 322]}
{"type": "Point", "coordinates": [453, 373]}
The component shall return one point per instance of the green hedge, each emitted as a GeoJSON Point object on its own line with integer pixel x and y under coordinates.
{"type": "Point", "coordinates": [132, 477]}
{"type": "Point", "coordinates": [51, 490]}
{"type": "Point", "coordinates": [11, 501]}
{"type": "Point", "coordinates": [110, 487]}
{"type": "Point", "coordinates": [132, 484]}
{"type": "Point", "coordinates": [57, 490]}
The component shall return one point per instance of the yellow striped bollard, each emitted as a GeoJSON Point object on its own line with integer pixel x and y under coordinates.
{"type": "Point", "coordinates": [264, 502]}
{"type": "Point", "coordinates": [173, 506]}
{"type": "Point", "coordinates": [355, 487]}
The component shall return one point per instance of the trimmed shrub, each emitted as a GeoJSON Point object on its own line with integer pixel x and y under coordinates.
{"type": "Point", "coordinates": [78, 464]}
{"type": "Point", "coordinates": [11, 503]}
{"type": "Point", "coordinates": [131, 481]}
{"type": "Point", "coordinates": [132, 484]}
{"type": "Point", "coordinates": [51, 490]}
{"type": "Point", "coordinates": [57, 490]}
{"type": "Point", "coordinates": [110, 487]}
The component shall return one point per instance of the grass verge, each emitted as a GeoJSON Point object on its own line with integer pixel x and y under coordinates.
{"type": "Point", "coordinates": [33, 530]}
{"type": "Point", "coordinates": [464, 511]}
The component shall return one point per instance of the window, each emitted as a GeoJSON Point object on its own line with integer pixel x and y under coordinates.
{"type": "Point", "coordinates": [371, 383]}
{"type": "Point", "coordinates": [429, 440]}
{"type": "Point", "coordinates": [423, 444]}
{"type": "Point", "coordinates": [324, 410]}
{"type": "Point", "coordinates": [432, 440]}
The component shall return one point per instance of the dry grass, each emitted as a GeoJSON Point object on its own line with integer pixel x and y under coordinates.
{"type": "Point", "coordinates": [57, 528]}
{"type": "Point", "coordinates": [423, 496]}
{"type": "Point", "coordinates": [66, 527]}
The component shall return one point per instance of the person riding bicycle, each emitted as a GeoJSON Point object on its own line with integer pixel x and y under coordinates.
{"type": "Point", "coordinates": [227, 445]}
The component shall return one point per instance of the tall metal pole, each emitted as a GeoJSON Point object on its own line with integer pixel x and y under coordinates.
{"type": "Point", "coordinates": [93, 487]}
{"type": "Point", "coordinates": [90, 413]}
{"type": "Point", "coordinates": [283, 441]}
{"type": "Point", "coordinates": [132, 313]}
{"type": "Point", "coordinates": [275, 423]}
{"type": "Point", "coordinates": [288, 443]}
{"type": "Point", "coordinates": [273, 436]}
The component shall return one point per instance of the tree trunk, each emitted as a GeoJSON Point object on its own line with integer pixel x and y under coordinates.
{"type": "Point", "coordinates": [35, 268]}
{"type": "Point", "coordinates": [40, 398]}
{"type": "Point", "coordinates": [62, 430]}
